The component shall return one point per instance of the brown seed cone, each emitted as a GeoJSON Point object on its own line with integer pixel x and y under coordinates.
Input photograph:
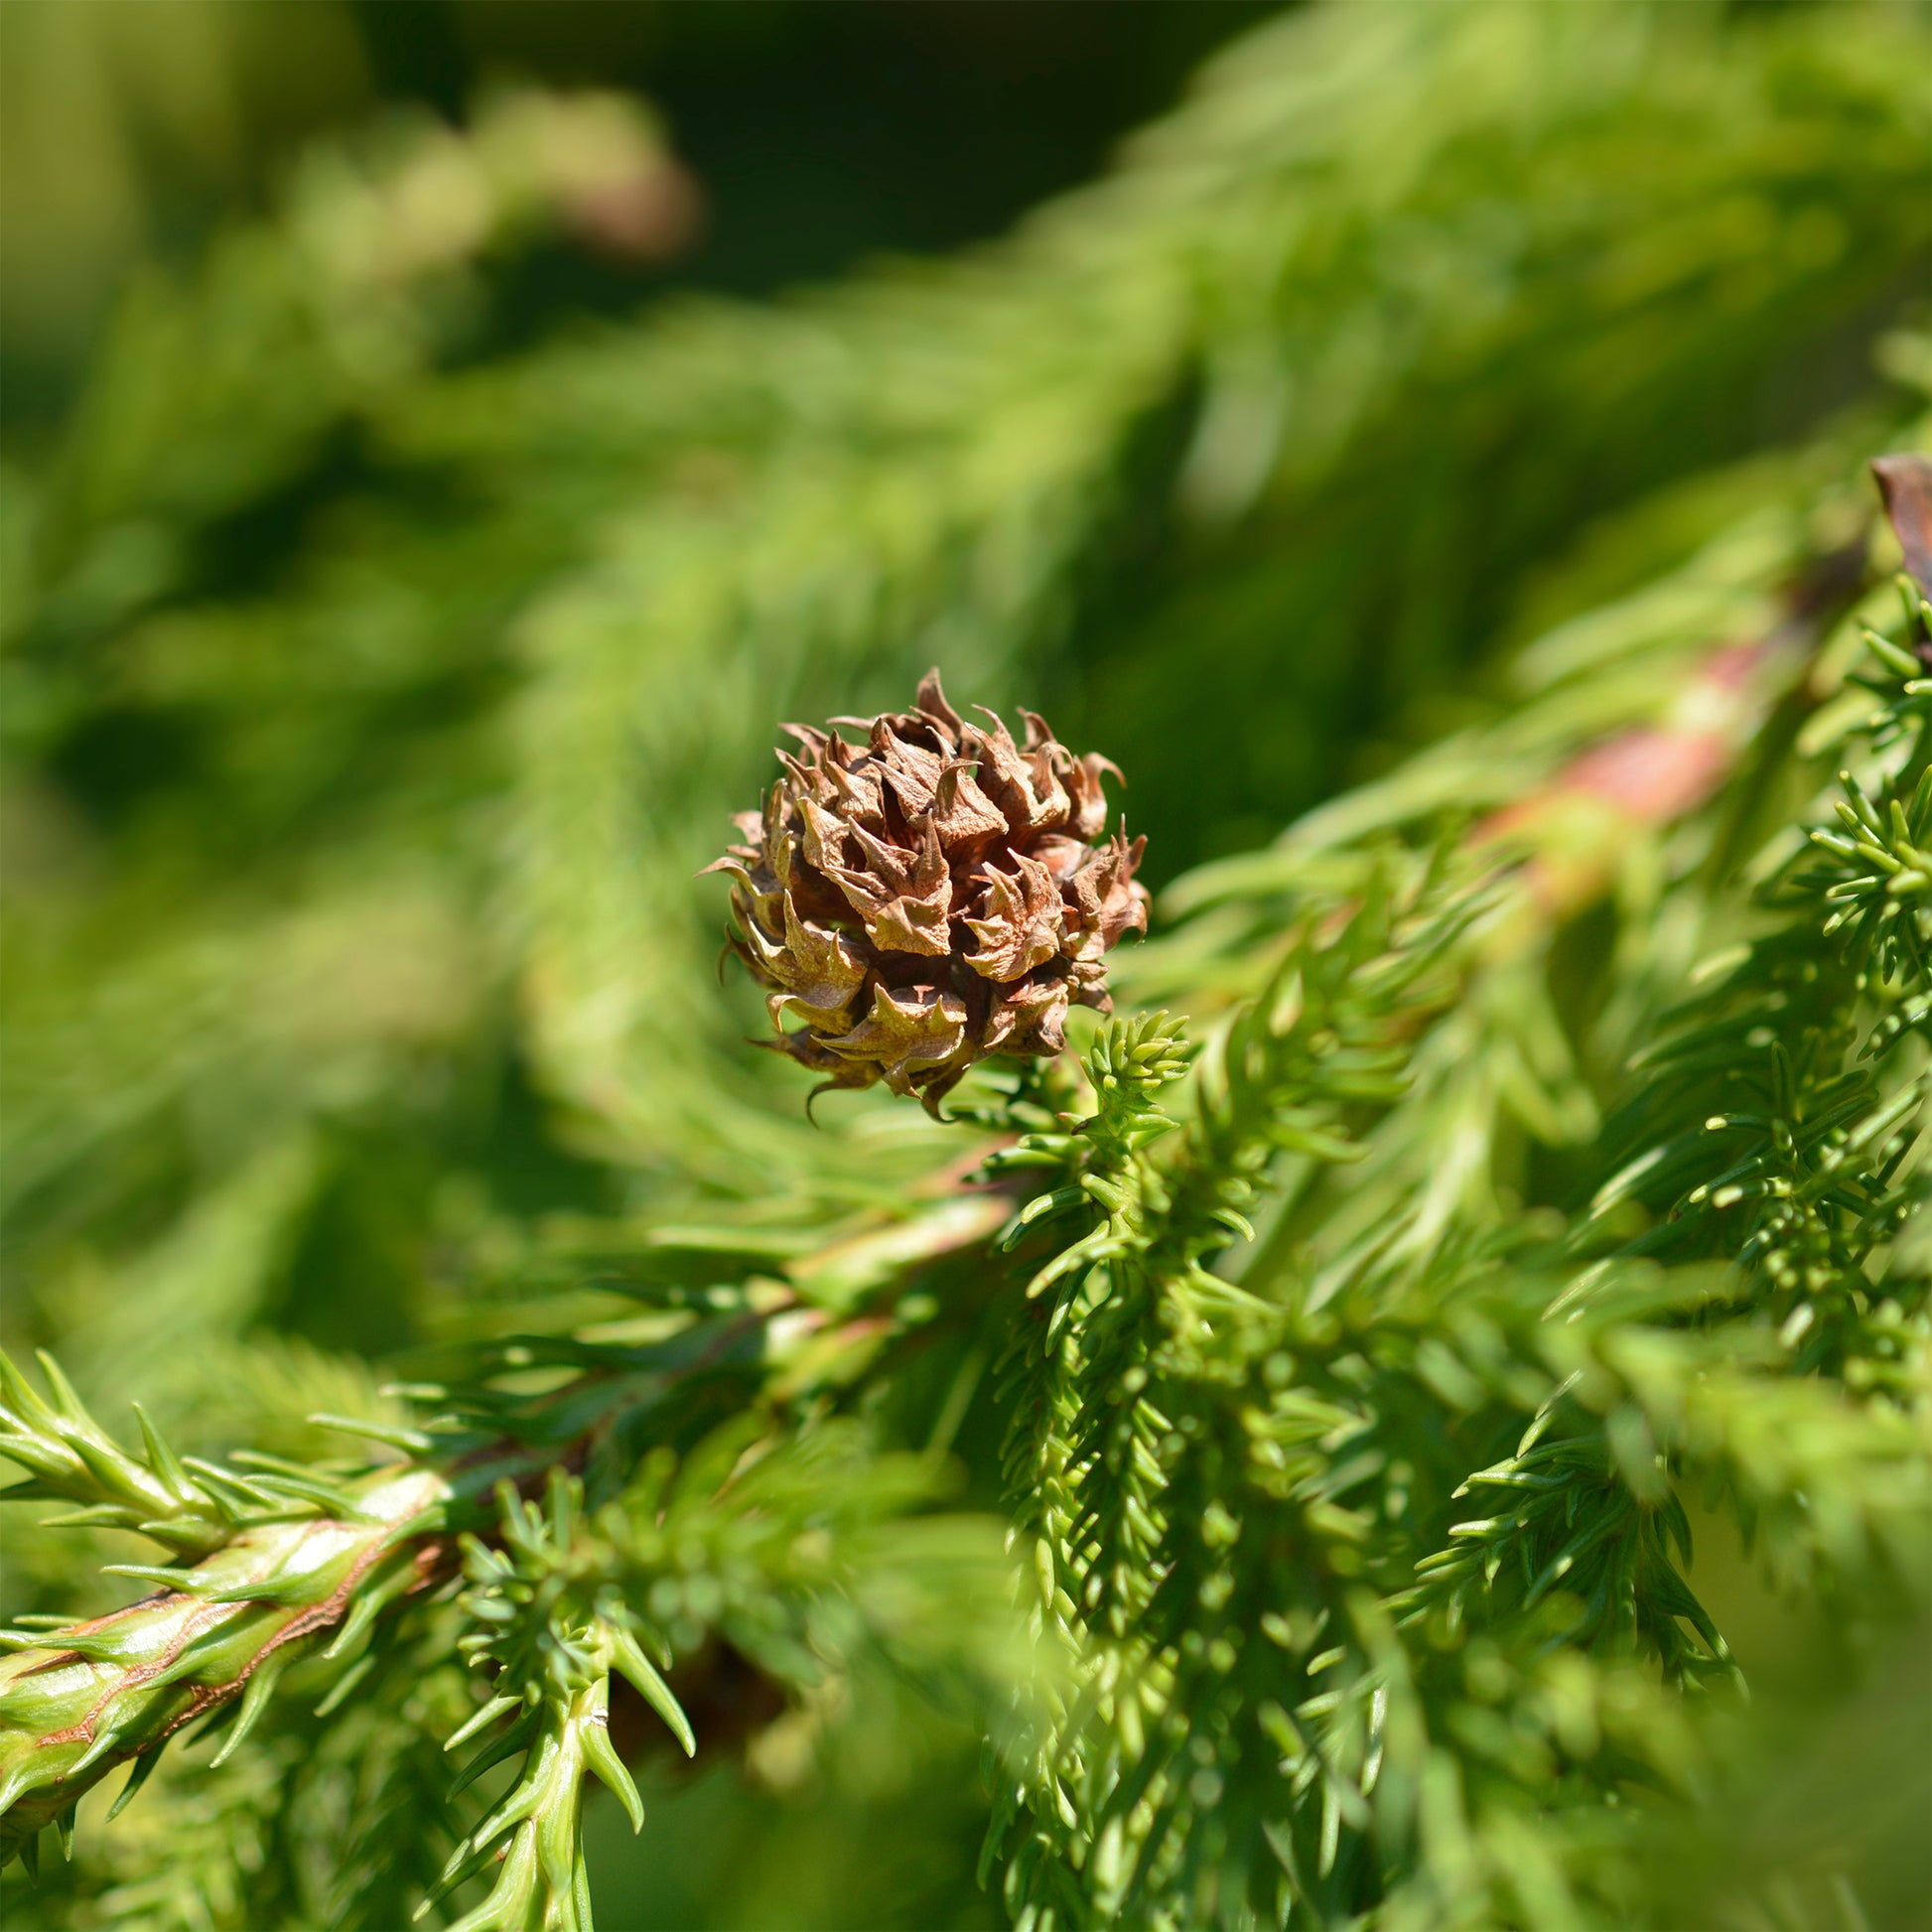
{"type": "Point", "coordinates": [936, 895]}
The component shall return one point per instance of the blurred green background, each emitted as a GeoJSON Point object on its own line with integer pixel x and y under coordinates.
{"type": "Point", "coordinates": [821, 131]}
{"type": "Point", "coordinates": [423, 490]}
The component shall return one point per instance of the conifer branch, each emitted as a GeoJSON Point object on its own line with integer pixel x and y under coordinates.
{"type": "Point", "coordinates": [1533, 1152]}
{"type": "Point", "coordinates": [791, 1551]}
{"type": "Point", "coordinates": [290, 1560]}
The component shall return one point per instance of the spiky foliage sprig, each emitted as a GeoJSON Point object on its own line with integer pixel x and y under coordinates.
{"type": "Point", "coordinates": [552, 1660]}
{"type": "Point", "coordinates": [1181, 1826]}
{"type": "Point", "coordinates": [290, 1560]}
{"type": "Point", "coordinates": [194, 1508]}
{"type": "Point", "coordinates": [1134, 1314]}
{"type": "Point", "coordinates": [791, 1552]}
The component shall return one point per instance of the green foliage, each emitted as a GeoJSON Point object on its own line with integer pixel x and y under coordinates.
{"type": "Point", "coordinates": [1292, 1429]}
{"type": "Point", "coordinates": [287, 1554]}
